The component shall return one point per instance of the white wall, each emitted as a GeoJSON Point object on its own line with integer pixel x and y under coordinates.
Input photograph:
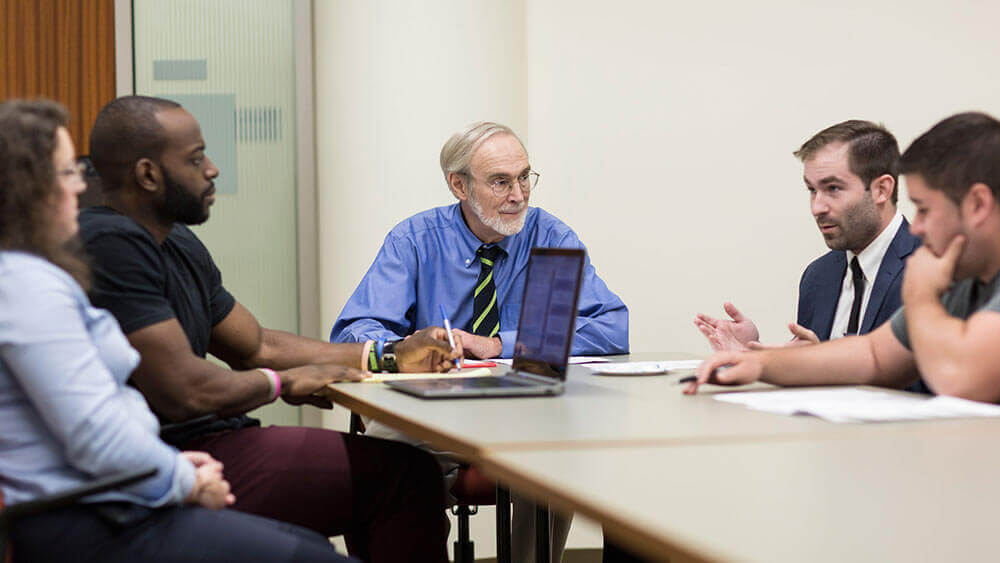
{"type": "Point", "coordinates": [393, 80]}
{"type": "Point", "coordinates": [665, 129]}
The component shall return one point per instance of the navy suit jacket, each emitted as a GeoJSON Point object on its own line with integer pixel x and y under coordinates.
{"type": "Point", "coordinates": [819, 289]}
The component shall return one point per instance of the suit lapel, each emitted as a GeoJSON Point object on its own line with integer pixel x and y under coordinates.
{"type": "Point", "coordinates": [828, 294]}
{"type": "Point", "coordinates": [902, 246]}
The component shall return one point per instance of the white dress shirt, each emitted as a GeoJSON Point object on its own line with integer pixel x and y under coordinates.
{"type": "Point", "coordinates": [870, 259]}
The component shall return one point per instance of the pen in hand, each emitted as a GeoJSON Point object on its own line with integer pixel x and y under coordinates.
{"type": "Point", "coordinates": [451, 337]}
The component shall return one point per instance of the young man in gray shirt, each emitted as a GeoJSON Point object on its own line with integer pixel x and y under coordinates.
{"type": "Point", "coordinates": [946, 330]}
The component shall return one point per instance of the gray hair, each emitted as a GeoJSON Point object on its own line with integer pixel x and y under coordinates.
{"type": "Point", "coordinates": [458, 150]}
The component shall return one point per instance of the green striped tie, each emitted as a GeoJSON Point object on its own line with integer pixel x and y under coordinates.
{"type": "Point", "coordinates": [485, 309]}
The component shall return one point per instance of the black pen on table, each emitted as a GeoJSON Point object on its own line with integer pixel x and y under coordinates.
{"type": "Point", "coordinates": [690, 378]}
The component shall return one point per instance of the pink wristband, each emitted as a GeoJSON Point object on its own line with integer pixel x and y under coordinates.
{"type": "Point", "coordinates": [275, 382]}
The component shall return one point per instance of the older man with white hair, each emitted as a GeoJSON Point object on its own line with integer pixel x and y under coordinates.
{"type": "Point", "coordinates": [471, 258]}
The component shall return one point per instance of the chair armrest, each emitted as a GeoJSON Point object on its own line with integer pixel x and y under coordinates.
{"type": "Point", "coordinates": [74, 494]}
{"type": "Point", "coordinates": [9, 513]}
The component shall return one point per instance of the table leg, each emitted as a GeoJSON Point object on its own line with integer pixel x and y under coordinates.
{"type": "Point", "coordinates": [543, 546]}
{"type": "Point", "coordinates": [503, 525]}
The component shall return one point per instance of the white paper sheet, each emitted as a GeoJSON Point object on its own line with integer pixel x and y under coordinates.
{"type": "Point", "coordinates": [859, 405]}
{"type": "Point", "coordinates": [645, 368]}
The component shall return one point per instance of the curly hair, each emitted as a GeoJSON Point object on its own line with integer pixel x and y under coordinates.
{"type": "Point", "coordinates": [29, 187]}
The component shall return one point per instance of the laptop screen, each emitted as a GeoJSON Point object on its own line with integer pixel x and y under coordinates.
{"type": "Point", "coordinates": [548, 311]}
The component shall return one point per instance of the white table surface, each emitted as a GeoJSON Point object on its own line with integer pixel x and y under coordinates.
{"type": "Point", "coordinates": [595, 410]}
{"type": "Point", "coordinates": [927, 492]}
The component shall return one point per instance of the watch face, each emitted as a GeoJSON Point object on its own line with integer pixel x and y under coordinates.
{"type": "Point", "coordinates": [389, 362]}
{"type": "Point", "coordinates": [389, 357]}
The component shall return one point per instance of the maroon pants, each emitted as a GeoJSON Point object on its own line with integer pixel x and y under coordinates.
{"type": "Point", "coordinates": [384, 497]}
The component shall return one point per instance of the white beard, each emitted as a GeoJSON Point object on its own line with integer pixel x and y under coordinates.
{"type": "Point", "coordinates": [505, 228]}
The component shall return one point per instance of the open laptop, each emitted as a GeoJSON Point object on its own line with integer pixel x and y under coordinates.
{"type": "Point", "coordinates": [544, 336]}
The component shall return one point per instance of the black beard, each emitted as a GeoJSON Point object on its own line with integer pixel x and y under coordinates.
{"type": "Point", "coordinates": [180, 205]}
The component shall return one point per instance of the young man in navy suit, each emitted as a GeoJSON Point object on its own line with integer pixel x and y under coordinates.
{"type": "Point", "coordinates": [850, 170]}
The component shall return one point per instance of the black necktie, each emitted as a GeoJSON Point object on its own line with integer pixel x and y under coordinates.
{"type": "Point", "coordinates": [485, 309]}
{"type": "Point", "coordinates": [858, 279]}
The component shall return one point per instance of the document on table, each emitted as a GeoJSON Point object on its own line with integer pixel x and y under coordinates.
{"type": "Point", "coordinates": [380, 377]}
{"type": "Point", "coordinates": [860, 405]}
{"type": "Point", "coordinates": [572, 360]}
{"type": "Point", "coordinates": [645, 368]}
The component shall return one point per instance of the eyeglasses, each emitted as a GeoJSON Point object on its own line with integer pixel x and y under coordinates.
{"type": "Point", "coordinates": [503, 185]}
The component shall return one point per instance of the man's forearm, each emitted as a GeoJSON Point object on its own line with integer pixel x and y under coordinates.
{"type": "Point", "coordinates": [938, 345]}
{"type": "Point", "coordinates": [846, 361]}
{"type": "Point", "coordinates": [284, 350]}
{"type": "Point", "coordinates": [205, 389]}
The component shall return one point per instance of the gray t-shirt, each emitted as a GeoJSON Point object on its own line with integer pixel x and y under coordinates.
{"type": "Point", "coordinates": [963, 299]}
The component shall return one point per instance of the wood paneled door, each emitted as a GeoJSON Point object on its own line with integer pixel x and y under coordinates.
{"type": "Point", "coordinates": [63, 50]}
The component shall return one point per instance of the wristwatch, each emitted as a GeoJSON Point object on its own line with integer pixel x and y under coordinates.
{"type": "Point", "coordinates": [387, 363]}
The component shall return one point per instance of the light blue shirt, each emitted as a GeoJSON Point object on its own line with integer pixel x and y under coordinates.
{"type": "Point", "coordinates": [66, 415]}
{"type": "Point", "coordinates": [430, 258]}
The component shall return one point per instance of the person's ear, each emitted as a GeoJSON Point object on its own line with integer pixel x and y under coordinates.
{"type": "Point", "coordinates": [458, 185]}
{"type": "Point", "coordinates": [978, 203]}
{"type": "Point", "coordinates": [147, 175]}
{"type": "Point", "coordinates": [882, 188]}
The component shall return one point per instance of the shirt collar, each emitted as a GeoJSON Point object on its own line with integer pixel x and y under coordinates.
{"type": "Point", "coordinates": [871, 257]}
{"type": "Point", "coordinates": [471, 241]}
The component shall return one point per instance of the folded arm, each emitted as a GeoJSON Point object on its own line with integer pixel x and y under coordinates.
{"type": "Point", "coordinates": [955, 356]}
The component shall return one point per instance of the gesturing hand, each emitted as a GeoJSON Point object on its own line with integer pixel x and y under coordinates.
{"type": "Point", "coordinates": [734, 334]}
{"type": "Point", "coordinates": [801, 336]}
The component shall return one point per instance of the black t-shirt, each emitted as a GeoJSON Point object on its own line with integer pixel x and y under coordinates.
{"type": "Point", "coordinates": [143, 283]}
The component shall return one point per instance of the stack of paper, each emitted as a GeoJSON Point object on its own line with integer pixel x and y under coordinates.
{"type": "Point", "coordinates": [860, 405]}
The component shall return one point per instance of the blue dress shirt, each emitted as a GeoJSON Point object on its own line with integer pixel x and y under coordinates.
{"type": "Point", "coordinates": [430, 258]}
{"type": "Point", "coordinates": [66, 415]}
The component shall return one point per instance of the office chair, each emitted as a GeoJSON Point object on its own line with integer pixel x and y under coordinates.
{"type": "Point", "coordinates": [65, 498]}
{"type": "Point", "coordinates": [471, 490]}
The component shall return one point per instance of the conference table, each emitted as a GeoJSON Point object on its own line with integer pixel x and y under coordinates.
{"type": "Point", "coordinates": [692, 478]}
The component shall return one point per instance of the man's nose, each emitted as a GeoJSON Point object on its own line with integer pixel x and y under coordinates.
{"type": "Point", "coordinates": [211, 172]}
{"type": "Point", "coordinates": [819, 205]}
{"type": "Point", "coordinates": [516, 195]}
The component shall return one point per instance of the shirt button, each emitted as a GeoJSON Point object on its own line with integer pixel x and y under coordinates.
{"type": "Point", "coordinates": [467, 261]}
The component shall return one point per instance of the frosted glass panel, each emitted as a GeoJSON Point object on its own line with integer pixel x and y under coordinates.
{"type": "Point", "coordinates": [232, 64]}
